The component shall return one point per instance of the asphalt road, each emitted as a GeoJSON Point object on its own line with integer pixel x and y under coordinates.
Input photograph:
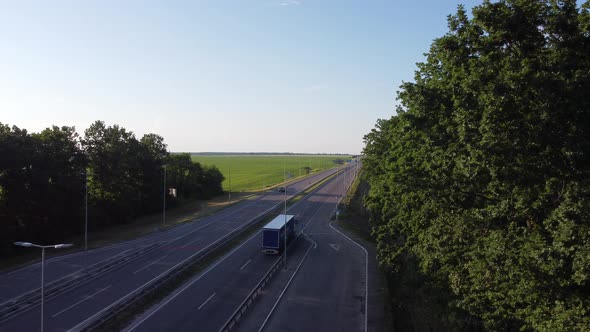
{"type": "Point", "coordinates": [328, 292]}
{"type": "Point", "coordinates": [210, 299]}
{"type": "Point", "coordinates": [331, 280]}
{"type": "Point", "coordinates": [68, 310]}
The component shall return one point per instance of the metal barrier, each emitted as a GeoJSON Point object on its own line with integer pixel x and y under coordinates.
{"type": "Point", "coordinates": [104, 315]}
{"type": "Point", "coordinates": [235, 317]}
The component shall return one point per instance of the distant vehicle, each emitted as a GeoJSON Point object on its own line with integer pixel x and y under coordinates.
{"type": "Point", "coordinates": [273, 234]}
{"type": "Point", "coordinates": [281, 189]}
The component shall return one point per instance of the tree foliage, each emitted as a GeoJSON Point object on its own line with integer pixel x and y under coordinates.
{"type": "Point", "coordinates": [43, 177]}
{"type": "Point", "coordinates": [192, 179]}
{"type": "Point", "coordinates": [484, 173]}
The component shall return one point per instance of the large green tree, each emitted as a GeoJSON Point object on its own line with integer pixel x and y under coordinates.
{"type": "Point", "coordinates": [41, 186]}
{"type": "Point", "coordinates": [17, 155]}
{"type": "Point", "coordinates": [483, 174]}
{"type": "Point", "coordinates": [58, 183]}
{"type": "Point", "coordinates": [113, 167]}
{"type": "Point", "coordinates": [153, 155]}
{"type": "Point", "coordinates": [191, 179]}
{"type": "Point", "coordinates": [42, 180]}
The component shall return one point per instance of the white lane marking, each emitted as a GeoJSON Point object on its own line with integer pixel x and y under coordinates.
{"type": "Point", "coordinates": [84, 299]}
{"type": "Point", "coordinates": [195, 240]}
{"type": "Point", "coordinates": [218, 228]}
{"type": "Point", "coordinates": [160, 306]}
{"type": "Point", "coordinates": [335, 246]}
{"type": "Point", "coordinates": [202, 305]}
{"type": "Point", "coordinates": [243, 266]}
{"type": "Point", "coordinates": [310, 240]}
{"type": "Point", "coordinates": [170, 299]}
{"type": "Point", "coordinates": [87, 320]}
{"type": "Point", "coordinates": [366, 265]}
{"type": "Point", "coordinates": [66, 276]}
{"type": "Point", "coordinates": [366, 272]}
{"type": "Point", "coordinates": [191, 232]}
{"type": "Point", "coordinates": [314, 246]}
{"type": "Point", "coordinates": [150, 264]}
{"type": "Point", "coordinates": [288, 284]}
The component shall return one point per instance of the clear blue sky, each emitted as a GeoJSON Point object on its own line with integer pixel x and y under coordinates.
{"type": "Point", "coordinates": [242, 75]}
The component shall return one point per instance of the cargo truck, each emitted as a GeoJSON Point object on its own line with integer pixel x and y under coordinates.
{"type": "Point", "coordinates": [273, 234]}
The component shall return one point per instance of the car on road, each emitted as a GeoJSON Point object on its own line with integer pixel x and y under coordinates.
{"type": "Point", "coordinates": [281, 189]}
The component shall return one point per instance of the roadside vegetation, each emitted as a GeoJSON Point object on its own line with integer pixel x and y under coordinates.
{"type": "Point", "coordinates": [480, 184]}
{"type": "Point", "coordinates": [43, 178]}
{"type": "Point", "coordinates": [251, 172]}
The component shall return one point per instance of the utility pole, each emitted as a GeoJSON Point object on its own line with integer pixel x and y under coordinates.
{"type": "Point", "coordinates": [86, 221]}
{"type": "Point", "coordinates": [164, 209]}
{"type": "Point", "coordinates": [285, 213]}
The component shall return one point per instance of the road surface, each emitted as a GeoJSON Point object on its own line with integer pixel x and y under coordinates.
{"type": "Point", "coordinates": [328, 292]}
{"type": "Point", "coordinates": [68, 310]}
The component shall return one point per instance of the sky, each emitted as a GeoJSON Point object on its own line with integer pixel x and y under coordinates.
{"type": "Point", "coordinates": [227, 76]}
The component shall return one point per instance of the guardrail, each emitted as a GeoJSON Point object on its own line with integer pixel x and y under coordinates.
{"type": "Point", "coordinates": [235, 317]}
{"type": "Point", "coordinates": [100, 318]}
{"type": "Point", "coordinates": [29, 300]}
{"type": "Point", "coordinates": [105, 314]}
{"type": "Point", "coordinates": [241, 310]}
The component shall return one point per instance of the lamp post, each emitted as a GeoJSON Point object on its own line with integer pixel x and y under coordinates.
{"type": "Point", "coordinates": [164, 199]}
{"type": "Point", "coordinates": [86, 221]}
{"type": "Point", "coordinates": [229, 175]}
{"type": "Point", "coordinates": [285, 213]}
{"type": "Point", "coordinates": [54, 246]}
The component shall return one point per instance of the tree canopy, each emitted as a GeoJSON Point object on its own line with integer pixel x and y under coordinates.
{"type": "Point", "coordinates": [43, 178]}
{"type": "Point", "coordinates": [484, 173]}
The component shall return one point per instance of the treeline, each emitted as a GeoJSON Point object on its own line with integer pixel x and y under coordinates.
{"type": "Point", "coordinates": [43, 180]}
{"type": "Point", "coordinates": [483, 176]}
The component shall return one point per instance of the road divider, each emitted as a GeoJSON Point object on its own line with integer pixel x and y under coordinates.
{"type": "Point", "coordinates": [315, 245]}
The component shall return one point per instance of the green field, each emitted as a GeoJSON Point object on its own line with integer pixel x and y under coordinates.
{"type": "Point", "coordinates": [257, 172]}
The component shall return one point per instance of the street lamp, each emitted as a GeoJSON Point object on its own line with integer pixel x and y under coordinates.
{"type": "Point", "coordinates": [86, 220]}
{"type": "Point", "coordinates": [164, 209]}
{"type": "Point", "coordinates": [54, 246]}
{"type": "Point", "coordinates": [285, 213]}
{"type": "Point", "coordinates": [229, 176]}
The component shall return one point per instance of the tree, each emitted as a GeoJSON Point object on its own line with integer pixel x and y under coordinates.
{"type": "Point", "coordinates": [212, 179]}
{"type": "Point", "coordinates": [58, 182]}
{"type": "Point", "coordinates": [483, 173]}
{"type": "Point", "coordinates": [153, 155]}
{"type": "Point", "coordinates": [114, 156]}
{"type": "Point", "coordinates": [191, 179]}
{"type": "Point", "coordinates": [17, 154]}
{"type": "Point", "coordinates": [42, 180]}
{"type": "Point", "coordinates": [41, 186]}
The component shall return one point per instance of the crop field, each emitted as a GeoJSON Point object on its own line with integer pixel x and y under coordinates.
{"type": "Point", "coordinates": [257, 172]}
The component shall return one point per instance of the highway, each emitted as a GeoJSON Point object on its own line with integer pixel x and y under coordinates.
{"type": "Point", "coordinates": [207, 301]}
{"type": "Point", "coordinates": [163, 251]}
{"type": "Point", "coordinates": [329, 291]}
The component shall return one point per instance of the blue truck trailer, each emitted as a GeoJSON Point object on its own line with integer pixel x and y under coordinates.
{"type": "Point", "coordinates": [273, 234]}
